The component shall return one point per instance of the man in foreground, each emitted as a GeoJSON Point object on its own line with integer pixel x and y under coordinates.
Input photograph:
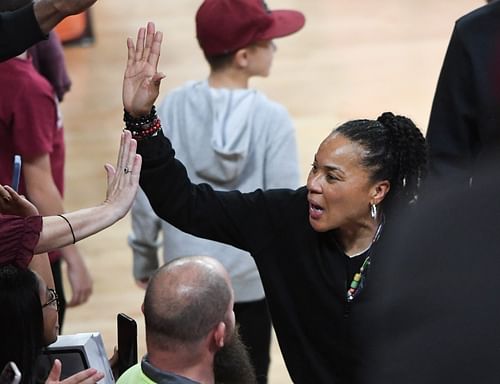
{"type": "Point", "coordinates": [190, 327]}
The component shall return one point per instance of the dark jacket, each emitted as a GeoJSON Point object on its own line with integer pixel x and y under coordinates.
{"type": "Point", "coordinates": [464, 126]}
{"type": "Point", "coordinates": [305, 274]}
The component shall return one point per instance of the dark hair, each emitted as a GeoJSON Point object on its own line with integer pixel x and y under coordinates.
{"type": "Point", "coordinates": [395, 150]}
{"type": "Point", "coordinates": [183, 302]}
{"type": "Point", "coordinates": [219, 62]}
{"type": "Point", "coordinates": [21, 321]}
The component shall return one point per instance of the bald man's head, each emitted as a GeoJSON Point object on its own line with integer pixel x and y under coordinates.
{"type": "Point", "coordinates": [186, 299]}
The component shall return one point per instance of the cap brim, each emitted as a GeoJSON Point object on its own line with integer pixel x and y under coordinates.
{"type": "Point", "coordinates": [285, 22]}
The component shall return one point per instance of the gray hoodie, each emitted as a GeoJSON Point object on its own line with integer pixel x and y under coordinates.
{"type": "Point", "coordinates": [231, 139]}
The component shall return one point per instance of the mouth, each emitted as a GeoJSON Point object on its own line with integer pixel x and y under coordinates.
{"type": "Point", "coordinates": [315, 211]}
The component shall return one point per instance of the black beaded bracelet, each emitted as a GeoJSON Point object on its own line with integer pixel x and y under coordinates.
{"type": "Point", "coordinates": [137, 123]}
{"type": "Point", "coordinates": [144, 126]}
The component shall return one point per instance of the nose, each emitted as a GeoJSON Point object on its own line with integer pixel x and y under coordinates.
{"type": "Point", "coordinates": [314, 182]}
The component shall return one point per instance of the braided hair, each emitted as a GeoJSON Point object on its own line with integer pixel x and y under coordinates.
{"type": "Point", "coordinates": [395, 150]}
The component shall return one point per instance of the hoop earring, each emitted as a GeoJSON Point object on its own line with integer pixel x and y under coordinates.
{"type": "Point", "coordinates": [373, 211]}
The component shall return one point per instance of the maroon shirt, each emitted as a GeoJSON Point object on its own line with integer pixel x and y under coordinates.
{"type": "Point", "coordinates": [29, 122]}
{"type": "Point", "coordinates": [18, 238]}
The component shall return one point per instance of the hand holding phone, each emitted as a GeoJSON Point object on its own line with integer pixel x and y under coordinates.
{"type": "Point", "coordinates": [127, 342]}
{"type": "Point", "coordinates": [10, 374]}
{"type": "Point", "coordinates": [16, 172]}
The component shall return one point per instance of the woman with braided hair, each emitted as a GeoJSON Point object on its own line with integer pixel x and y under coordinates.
{"type": "Point", "coordinates": [313, 246]}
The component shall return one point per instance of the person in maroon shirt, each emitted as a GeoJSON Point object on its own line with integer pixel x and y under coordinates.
{"type": "Point", "coordinates": [30, 126]}
{"type": "Point", "coordinates": [23, 232]}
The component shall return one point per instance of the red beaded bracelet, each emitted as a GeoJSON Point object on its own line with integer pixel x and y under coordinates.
{"type": "Point", "coordinates": [147, 130]}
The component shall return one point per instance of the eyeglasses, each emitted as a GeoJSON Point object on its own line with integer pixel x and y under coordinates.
{"type": "Point", "coordinates": [53, 299]}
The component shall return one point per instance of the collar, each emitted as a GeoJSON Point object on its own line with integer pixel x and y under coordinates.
{"type": "Point", "coordinates": [162, 377]}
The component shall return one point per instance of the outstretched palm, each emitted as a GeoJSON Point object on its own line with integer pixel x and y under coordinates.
{"type": "Point", "coordinates": [141, 83]}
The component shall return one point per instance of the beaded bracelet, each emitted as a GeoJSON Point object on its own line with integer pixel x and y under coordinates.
{"type": "Point", "coordinates": [136, 123]}
{"type": "Point", "coordinates": [149, 130]}
{"type": "Point", "coordinates": [143, 126]}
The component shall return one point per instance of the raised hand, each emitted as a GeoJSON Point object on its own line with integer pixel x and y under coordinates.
{"type": "Point", "coordinates": [124, 180]}
{"type": "Point", "coordinates": [141, 82]}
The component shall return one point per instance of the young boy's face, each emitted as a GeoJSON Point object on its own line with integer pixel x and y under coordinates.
{"type": "Point", "coordinates": [261, 57]}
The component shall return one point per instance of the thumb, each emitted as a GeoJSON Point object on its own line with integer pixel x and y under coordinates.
{"type": "Point", "coordinates": [157, 78]}
{"type": "Point", "coordinates": [110, 172]}
{"type": "Point", "coordinates": [55, 372]}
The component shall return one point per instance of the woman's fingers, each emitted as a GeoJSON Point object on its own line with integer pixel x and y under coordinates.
{"type": "Point", "coordinates": [130, 52]}
{"type": "Point", "coordinates": [55, 372]}
{"type": "Point", "coordinates": [154, 55]}
{"type": "Point", "coordinates": [136, 170]}
{"type": "Point", "coordinates": [4, 193]}
{"type": "Point", "coordinates": [90, 375]}
{"type": "Point", "coordinates": [150, 35]}
{"type": "Point", "coordinates": [139, 46]}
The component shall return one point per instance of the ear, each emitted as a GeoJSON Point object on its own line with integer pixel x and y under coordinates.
{"type": "Point", "coordinates": [219, 334]}
{"type": "Point", "coordinates": [379, 190]}
{"type": "Point", "coordinates": [241, 58]}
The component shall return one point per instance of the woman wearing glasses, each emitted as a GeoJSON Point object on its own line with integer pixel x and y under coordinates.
{"type": "Point", "coordinates": [29, 317]}
{"type": "Point", "coordinates": [29, 321]}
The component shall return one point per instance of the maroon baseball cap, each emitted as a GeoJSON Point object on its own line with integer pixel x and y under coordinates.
{"type": "Point", "coordinates": [224, 26]}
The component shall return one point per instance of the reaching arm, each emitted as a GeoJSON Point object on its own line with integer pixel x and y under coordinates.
{"type": "Point", "coordinates": [120, 194]}
{"type": "Point", "coordinates": [247, 221]}
{"type": "Point", "coordinates": [121, 190]}
{"type": "Point", "coordinates": [26, 26]}
{"type": "Point", "coordinates": [43, 192]}
{"type": "Point", "coordinates": [50, 12]}
{"type": "Point", "coordinates": [122, 187]}
{"type": "Point", "coordinates": [18, 31]}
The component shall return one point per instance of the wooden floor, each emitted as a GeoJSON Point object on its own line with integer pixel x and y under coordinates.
{"type": "Point", "coordinates": [353, 59]}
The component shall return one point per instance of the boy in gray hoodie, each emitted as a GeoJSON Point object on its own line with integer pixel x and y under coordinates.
{"type": "Point", "coordinates": [231, 137]}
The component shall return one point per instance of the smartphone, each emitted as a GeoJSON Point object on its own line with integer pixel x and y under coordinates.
{"type": "Point", "coordinates": [127, 342]}
{"type": "Point", "coordinates": [10, 374]}
{"type": "Point", "coordinates": [16, 172]}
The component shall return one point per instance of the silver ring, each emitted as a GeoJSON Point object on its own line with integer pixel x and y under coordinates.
{"type": "Point", "coordinates": [126, 170]}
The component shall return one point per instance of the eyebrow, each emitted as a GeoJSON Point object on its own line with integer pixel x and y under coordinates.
{"type": "Point", "coordinates": [329, 167]}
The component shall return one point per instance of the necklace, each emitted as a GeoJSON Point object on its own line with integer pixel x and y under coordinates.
{"type": "Point", "coordinates": [357, 281]}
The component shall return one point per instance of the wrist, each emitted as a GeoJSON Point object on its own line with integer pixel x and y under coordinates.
{"type": "Point", "coordinates": [110, 212]}
{"type": "Point", "coordinates": [143, 126]}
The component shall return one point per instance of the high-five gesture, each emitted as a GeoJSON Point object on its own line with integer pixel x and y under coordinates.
{"type": "Point", "coordinates": [141, 83]}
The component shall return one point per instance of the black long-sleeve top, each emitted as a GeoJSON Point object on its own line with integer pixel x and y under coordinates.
{"type": "Point", "coordinates": [305, 274]}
